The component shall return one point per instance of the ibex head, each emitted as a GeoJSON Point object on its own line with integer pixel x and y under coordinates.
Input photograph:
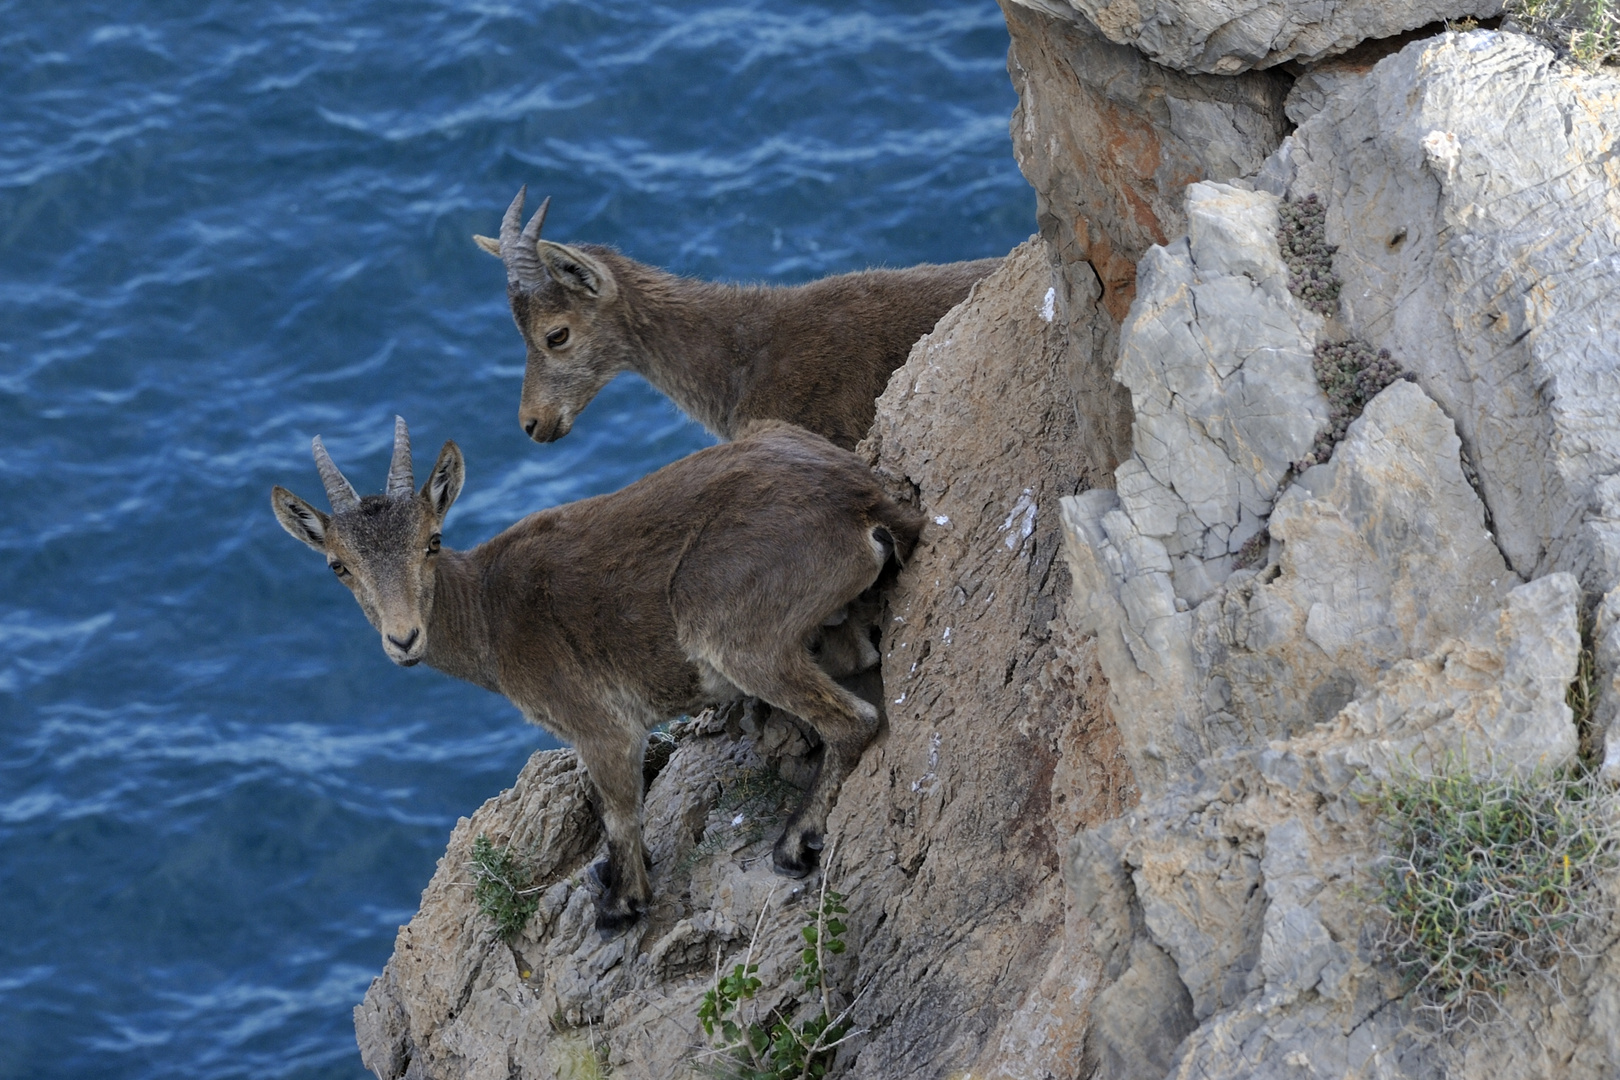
{"type": "Point", "coordinates": [563, 302]}
{"type": "Point", "coordinates": [382, 546]}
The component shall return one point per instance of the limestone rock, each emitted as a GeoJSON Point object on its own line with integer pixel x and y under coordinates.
{"type": "Point", "coordinates": [1217, 355]}
{"type": "Point", "coordinates": [1225, 37]}
{"type": "Point", "coordinates": [1109, 140]}
{"type": "Point", "coordinates": [1252, 877]}
{"type": "Point", "coordinates": [1470, 189]}
{"type": "Point", "coordinates": [1383, 550]}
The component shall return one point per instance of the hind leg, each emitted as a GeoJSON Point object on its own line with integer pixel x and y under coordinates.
{"type": "Point", "coordinates": [791, 681]}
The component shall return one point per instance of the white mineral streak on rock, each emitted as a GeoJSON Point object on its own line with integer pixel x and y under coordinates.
{"type": "Point", "coordinates": [1224, 37]}
{"type": "Point", "coordinates": [1443, 152]}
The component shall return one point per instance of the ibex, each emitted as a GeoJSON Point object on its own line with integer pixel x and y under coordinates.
{"type": "Point", "coordinates": [815, 355]}
{"type": "Point", "coordinates": [719, 576]}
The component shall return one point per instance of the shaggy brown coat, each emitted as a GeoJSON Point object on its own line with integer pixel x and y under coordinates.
{"type": "Point", "coordinates": [718, 576]}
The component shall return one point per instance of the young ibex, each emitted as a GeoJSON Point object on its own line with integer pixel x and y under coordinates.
{"type": "Point", "coordinates": [815, 355]}
{"type": "Point", "coordinates": [715, 577]}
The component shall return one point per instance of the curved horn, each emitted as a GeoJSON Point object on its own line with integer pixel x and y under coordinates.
{"type": "Point", "coordinates": [517, 248]}
{"type": "Point", "coordinates": [401, 484]}
{"type": "Point", "coordinates": [339, 492]}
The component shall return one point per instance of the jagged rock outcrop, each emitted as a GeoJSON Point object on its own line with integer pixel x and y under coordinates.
{"type": "Point", "coordinates": [1225, 37]}
{"type": "Point", "coordinates": [1150, 656]}
{"type": "Point", "coordinates": [1473, 201]}
{"type": "Point", "coordinates": [1393, 621]}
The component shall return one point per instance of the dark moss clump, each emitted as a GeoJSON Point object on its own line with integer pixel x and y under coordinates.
{"type": "Point", "coordinates": [1303, 240]}
{"type": "Point", "coordinates": [1350, 374]}
{"type": "Point", "coordinates": [1253, 551]}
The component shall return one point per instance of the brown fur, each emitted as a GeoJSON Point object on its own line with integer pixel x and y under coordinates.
{"type": "Point", "coordinates": [815, 355]}
{"type": "Point", "coordinates": [712, 578]}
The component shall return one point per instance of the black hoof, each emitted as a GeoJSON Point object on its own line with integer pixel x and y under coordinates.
{"type": "Point", "coordinates": [610, 921]}
{"type": "Point", "coordinates": [794, 864]}
{"type": "Point", "coordinates": [613, 912]}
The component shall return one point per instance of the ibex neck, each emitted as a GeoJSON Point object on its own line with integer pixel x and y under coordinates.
{"type": "Point", "coordinates": [458, 630]}
{"type": "Point", "coordinates": [694, 340]}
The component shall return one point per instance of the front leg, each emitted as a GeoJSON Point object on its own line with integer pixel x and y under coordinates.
{"type": "Point", "coordinates": [613, 759]}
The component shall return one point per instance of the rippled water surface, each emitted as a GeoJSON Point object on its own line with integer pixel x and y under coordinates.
{"type": "Point", "coordinates": [225, 228]}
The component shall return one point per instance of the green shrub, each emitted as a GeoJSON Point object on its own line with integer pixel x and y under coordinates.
{"type": "Point", "coordinates": [776, 1048]}
{"type": "Point", "coordinates": [1490, 882]}
{"type": "Point", "coordinates": [501, 889]}
{"type": "Point", "coordinates": [1587, 31]}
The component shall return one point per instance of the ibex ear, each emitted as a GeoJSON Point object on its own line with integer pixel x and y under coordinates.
{"type": "Point", "coordinates": [444, 482]}
{"type": "Point", "coordinates": [489, 244]}
{"type": "Point", "coordinates": [576, 271]}
{"type": "Point", "coordinates": [299, 518]}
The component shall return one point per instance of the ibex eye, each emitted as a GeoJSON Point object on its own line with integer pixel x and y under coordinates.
{"type": "Point", "coordinates": [557, 337]}
{"type": "Point", "coordinates": [339, 569]}
{"type": "Point", "coordinates": [433, 543]}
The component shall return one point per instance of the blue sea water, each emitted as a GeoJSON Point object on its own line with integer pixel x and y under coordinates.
{"type": "Point", "coordinates": [227, 227]}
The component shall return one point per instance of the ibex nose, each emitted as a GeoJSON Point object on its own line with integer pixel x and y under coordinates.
{"type": "Point", "coordinates": [542, 430]}
{"type": "Point", "coordinates": [405, 646]}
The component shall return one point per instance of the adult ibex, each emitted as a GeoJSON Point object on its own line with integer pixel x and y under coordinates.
{"type": "Point", "coordinates": [815, 355]}
{"type": "Point", "coordinates": [715, 577]}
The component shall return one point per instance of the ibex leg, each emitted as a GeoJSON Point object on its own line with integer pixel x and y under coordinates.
{"type": "Point", "coordinates": [846, 724]}
{"type": "Point", "coordinates": [615, 768]}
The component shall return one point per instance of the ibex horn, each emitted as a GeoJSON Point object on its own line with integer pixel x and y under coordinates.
{"type": "Point", "coordinates": [400, 481]}
{"type": "Point", "coordinates": [339, 492]}
{"type": "Point", "coordinates": [531, 231]}
{"type": "Point", "coordinates": [517, 246]}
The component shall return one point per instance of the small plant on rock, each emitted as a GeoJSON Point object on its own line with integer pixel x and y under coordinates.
{"type": "Point", "coordinates": [1587, 31]}
{"type": "Point", "coordinates": [1350, 374]}
{"type": "Point", "coordinates": [1309, 257]}
{"type": "Point", "coordinates": [1492, 881]}
{"type": "Point", "coordinates": [756, 799]}
{"type": "Point", "coordinates": [501, 889]}
{"type": "Point", "coordinates": [776, 1047]}
{"type": "Point", "coordinates": [1581, 697]}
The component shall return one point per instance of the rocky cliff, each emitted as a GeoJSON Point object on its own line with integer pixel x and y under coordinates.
{"type": "Point", "coordinates": [1180, 606]}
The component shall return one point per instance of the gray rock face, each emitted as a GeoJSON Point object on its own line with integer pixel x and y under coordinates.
{"type": "Point", "coordinates": [1470, 192]}
{"type": "Point", "coordinates": [1224, 37]}
{"type": "Point", "coordinates": [1252, 877]}
{"type": "Point", "coordinates": [1109, 140]}
{"type": "Point", "coordinates": [1388, 626]}
{"type": "Point", "coordinates": [1383, 549]}
{"type": "Point", "coordinates": [1217, 356]}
